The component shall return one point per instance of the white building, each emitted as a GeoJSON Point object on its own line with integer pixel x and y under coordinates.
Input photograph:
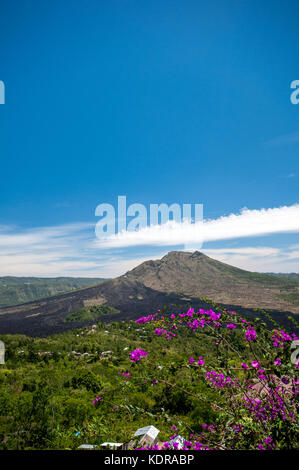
{"type": "Point", "coordinates": [147, 436]}
{"type": "Point", "coordinates": [2, 352]}
{"type": "Point", "coordinates": [112, 445]}
{"type": "Point", "coordinates": [87, 447]}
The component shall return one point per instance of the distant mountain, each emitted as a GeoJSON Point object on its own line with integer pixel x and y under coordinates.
{"type": "Point", "coordinates": [18, 290]}
{"type": "Point", "coordinates": [176, 281]}
{"type": "Point", "coordinates": [294, 276]}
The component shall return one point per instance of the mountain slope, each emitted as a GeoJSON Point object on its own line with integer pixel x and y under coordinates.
{"type": "Point", "coordinates": [17, 290]}
{"type": "Point", "coordinates": [41, 318]}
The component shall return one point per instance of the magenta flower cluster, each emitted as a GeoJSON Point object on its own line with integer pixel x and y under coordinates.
{"type": "Point", "coordinates": [273, 407]}
{"type": "Point", "coordinates": [137, 354]}
{"type": "Point", "coordinates": [200, 361]}
{"type": "Point", "coordinates": [267, 444]}
{"type": "Point", "coordinates": [220, 380]}
{"type": "Point", "coordinates": [250, 334]}
{"type": "Point", "coordinates": [96, 400]}
{"type": "Point", "coordinates": [146, 319]}
{"type": "Point", "coordinates": [264, 396]}
{"type": "Point", "coordinates": [161, 331]}
{"type": "Point", "coordinates": [280, 337]}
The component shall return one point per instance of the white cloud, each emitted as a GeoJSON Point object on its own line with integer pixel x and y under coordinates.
{"type": "Point", "coordinates": [11, 236]}
{"type": "Point", "coordinates": [72, 250]}
{"type": "Point", "coordinates": [260, 251]}
{"type": "Point", "coordinates": [64, 250]}
{"type": "Point", "coordinates": [260, 259]}
{"type": "Point", "coordinates": [249, 223]}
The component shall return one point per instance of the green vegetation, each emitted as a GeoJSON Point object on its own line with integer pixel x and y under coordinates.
{"type": "Point", "coordinates": [90, 313]}
{"type": "Point", "coordinates": [267, 279]}
{"type": "Point", "coordinates": [293, 297]}
{"type": "Point", "coordinates": [292, 276]}
{"type": "Point", "coordinates": [49, 386]}
{"type": "Point", "coordinates": [18, 290]}
{"type": "Point", "coordinates": [46, 390]}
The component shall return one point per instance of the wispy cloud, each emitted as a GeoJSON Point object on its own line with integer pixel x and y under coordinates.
{"type": "Point", "coordinates": [248, 223]}
{"type": "Point", "coordinates": [12, 236]}
{"type": "Point", "coordinates": [261, 259]}
{"type": "Point", "coordinates": [73, 250]}
{"type": "Point", "coordinates": [283, 140]}
{"type": "Point", "coordinates": [64, 250]}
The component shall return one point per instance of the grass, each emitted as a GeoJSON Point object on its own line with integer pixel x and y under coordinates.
{"type": "Point", "coordinates": [293, 298]}
{"type": "Point", "coordinates": [90, 313]}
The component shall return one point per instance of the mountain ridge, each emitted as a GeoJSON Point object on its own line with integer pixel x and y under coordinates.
{"type": "Point", "coordinates": [176, 281]}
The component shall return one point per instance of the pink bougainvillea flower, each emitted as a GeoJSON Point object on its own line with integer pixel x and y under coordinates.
{"type": "Point", "coordinates": [280, 337]}
{"type": "Point", "coordinates": [268, 440]}
{"type": "Point", "coordinates": [200, 361]}
{"type": "Point", "coordinates": [250, 334]}
{"type": "Point", "coordinates": [191, 360]}
{"type": "Point", "coordinates": [158, 331]}
{"type": "Point", "coordinates": [231, 326]}
{"type": "Point", "coordinates": [190, 312]}
{"type": "Point", "coordinates": [143, 320]}
{"type": "Point", "coordinates": [269, 444]}
{"type": "Point", "coordinates": [255, 364]}
{"type": "Point", "coordinates": [277, 362]}
{"type": "Point", "coordinates": [96, 400]}
{"type": "Point", "coordinates": [137, 354]}
{"type": "Point", "coordinates": [245, 366]}
{"type": "Point", "coordinates": [261, 374]}
{"type": "Point", "coordinates": [214, 316]}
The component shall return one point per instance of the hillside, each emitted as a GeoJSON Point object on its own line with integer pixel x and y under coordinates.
{"type": "Point", "coordinates": [294, 276]}
{"type": "Point", "coordinates": [18, 290]}
{"type": "Point", "coordinates": [176, 281]}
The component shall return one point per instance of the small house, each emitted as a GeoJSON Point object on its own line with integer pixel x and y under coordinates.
{"type": "Point", "coordinates": [147, 436]}
{"type": "Point", "coordinates": [87, 447]}
{"type": "Point", "coordinates": [2, 352]}
{"type": "Point", "coordinates": [112, 445]}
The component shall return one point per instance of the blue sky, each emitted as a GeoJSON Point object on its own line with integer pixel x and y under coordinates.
{"type": "Point", "coordinates": [161, 101]}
